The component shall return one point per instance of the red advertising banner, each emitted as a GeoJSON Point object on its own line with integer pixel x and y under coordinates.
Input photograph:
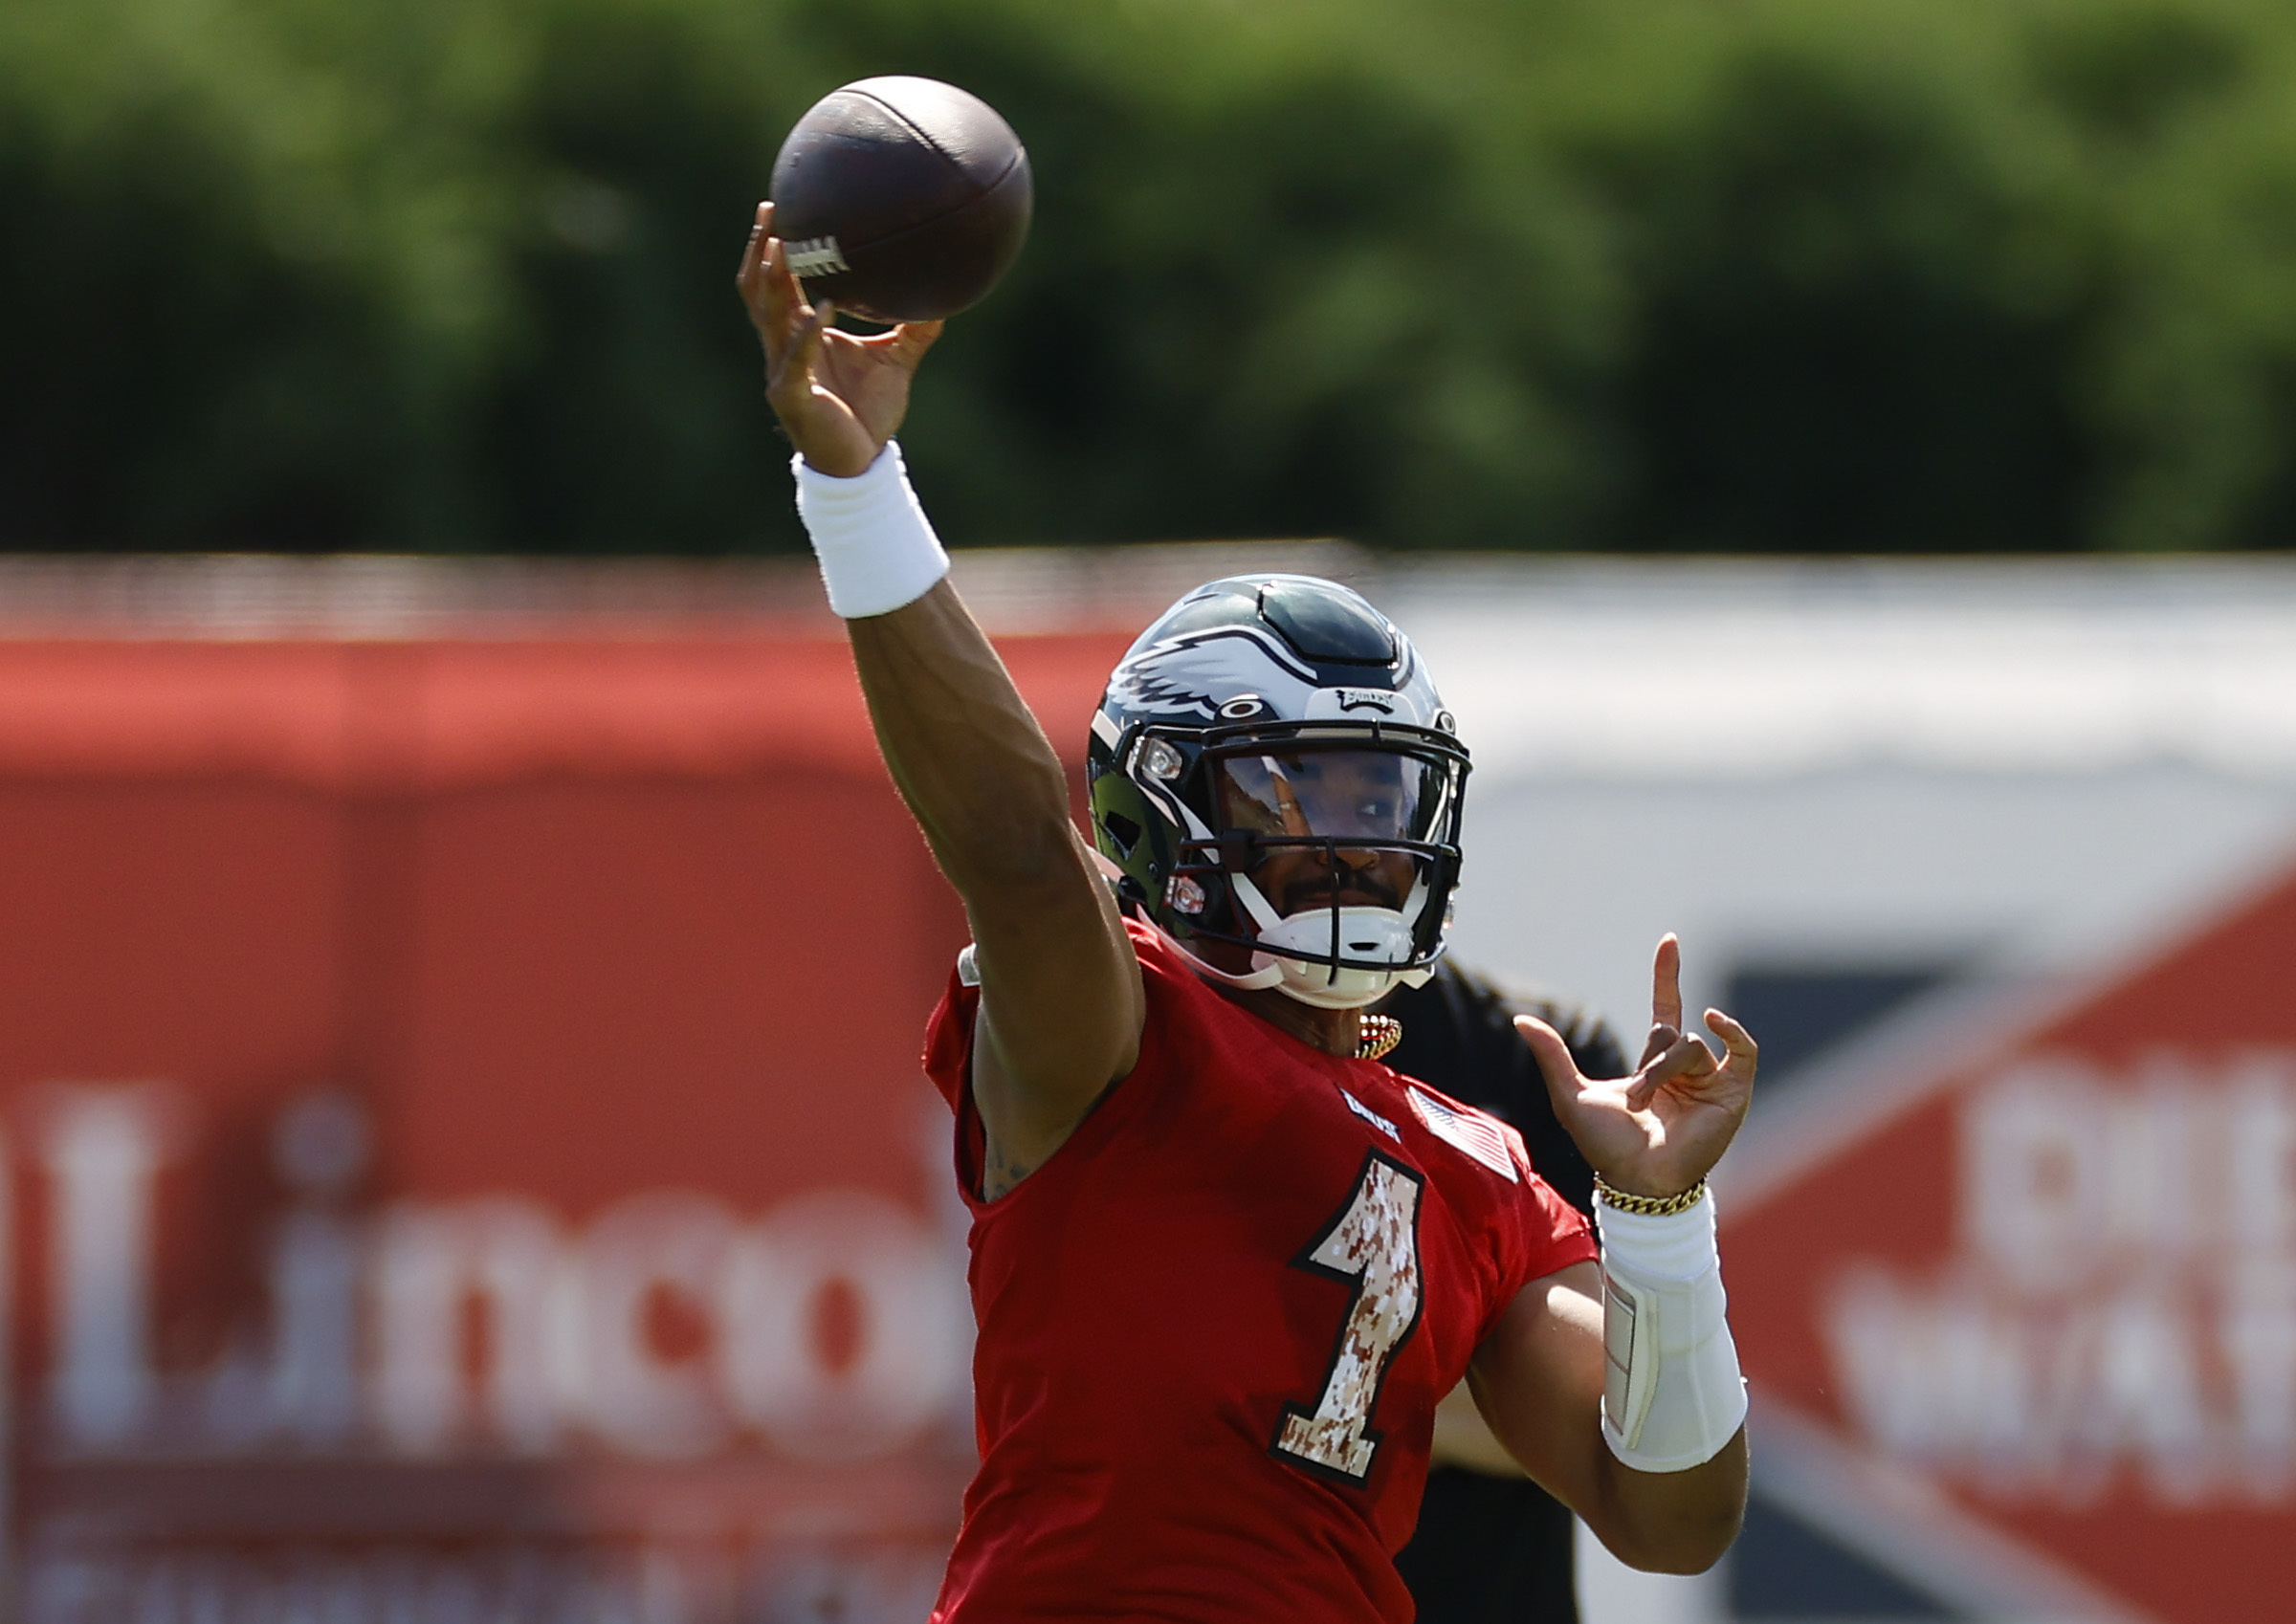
{"type": "Point", "coordinates": [464, 1141]}
{"type": "Point", "coordinates": [2021, 1310]}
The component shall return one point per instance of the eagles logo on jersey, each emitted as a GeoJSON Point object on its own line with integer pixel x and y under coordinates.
{"type": "Point", "coordinates": [1264, 716]}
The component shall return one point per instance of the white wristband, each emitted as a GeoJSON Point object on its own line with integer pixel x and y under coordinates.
{"type": "Point", "coordinates": [876, 548]}
{"type": "Point", "coordinates": [1671, 1393]}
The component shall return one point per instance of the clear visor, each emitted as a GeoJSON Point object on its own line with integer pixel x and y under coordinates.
{"type": "Point", "coordinates": [1367, 795]}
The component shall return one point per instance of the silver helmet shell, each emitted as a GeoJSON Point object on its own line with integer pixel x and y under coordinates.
{"type": "Point", "coordinates": [1260, 684]}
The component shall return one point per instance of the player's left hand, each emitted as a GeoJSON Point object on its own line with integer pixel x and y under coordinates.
{"type": "Point", "coordinates": [1661, 1129]}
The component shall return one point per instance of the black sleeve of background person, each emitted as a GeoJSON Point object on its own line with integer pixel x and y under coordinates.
{"type": "Point", "coordinates": [1459, 1035]}
{"type": "Point", "coordinates": [1488, 1549]}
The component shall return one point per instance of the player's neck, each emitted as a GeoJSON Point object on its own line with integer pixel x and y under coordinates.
{"type": "Point", "coordinates": [1334, 1031]}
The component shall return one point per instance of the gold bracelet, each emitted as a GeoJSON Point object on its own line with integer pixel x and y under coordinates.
{"type": "Point", "coordinates": [1650, 1206]}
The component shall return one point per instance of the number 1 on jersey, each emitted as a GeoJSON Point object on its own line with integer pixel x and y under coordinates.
{"type": "Point", "coordinates": [1374, 1243]}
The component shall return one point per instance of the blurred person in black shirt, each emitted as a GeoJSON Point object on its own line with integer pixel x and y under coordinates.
{"type": "Point", "coordinates": [1492, 1544]}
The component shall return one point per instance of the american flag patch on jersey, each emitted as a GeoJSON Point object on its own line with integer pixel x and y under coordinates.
{"type": "Point", "coordinates": [1486, 1138]}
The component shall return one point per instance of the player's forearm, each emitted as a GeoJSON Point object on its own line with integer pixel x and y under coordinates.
{"type": "Point", "coordinates": [1669, 1521]}
{"type": "Point", "coordinates": [969, 758]}
{"type": "Point", "coordinates": [1653, 1455]}
{"type": "Point", "coordinates": [1060, 990]}
{"type": "Point", "coordinates": [1540, 1388]}
{"type": "Point", "coordinates": [989, 794]}
{"type": "Point", "coordinates": [966, 754]}
{"type": "Point", "coordinates": [1674, 1404]}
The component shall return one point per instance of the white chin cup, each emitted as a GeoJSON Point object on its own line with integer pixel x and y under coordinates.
{"type": "Point", "coordinates": [1375, 934]}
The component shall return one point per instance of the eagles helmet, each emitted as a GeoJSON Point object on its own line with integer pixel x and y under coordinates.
{"type": "Point", "coordinates": [1264, 715]}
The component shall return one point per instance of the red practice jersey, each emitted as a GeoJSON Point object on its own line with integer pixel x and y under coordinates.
{"type": "Point", "coordinates": [1214, 1325]}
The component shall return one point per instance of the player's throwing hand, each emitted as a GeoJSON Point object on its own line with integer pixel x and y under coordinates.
{"type": "Point", "coordinates": [840, 396]}
{"type": "Point", "coordinates": [1659, 1132]}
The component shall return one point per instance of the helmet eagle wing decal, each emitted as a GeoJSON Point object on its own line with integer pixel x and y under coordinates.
{"type": "Point", "coordinates": [1193, 674]}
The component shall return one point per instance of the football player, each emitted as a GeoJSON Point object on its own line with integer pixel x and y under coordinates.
{"type": "Point", "coordinates": [1224, 1262]}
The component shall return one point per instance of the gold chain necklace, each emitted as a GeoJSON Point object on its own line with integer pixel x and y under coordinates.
{"type": "Point", "coordinates": [1376, 1036]}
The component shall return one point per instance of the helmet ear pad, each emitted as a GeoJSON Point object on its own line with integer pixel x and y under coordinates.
{"type": "Point", "coordinates": [1134, 837]}
{"type": "Point", "coordinates": [1141, 843]}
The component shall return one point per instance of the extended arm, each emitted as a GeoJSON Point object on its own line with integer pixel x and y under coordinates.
{"type": "Point", "coordinates": [1060, 990]}
{"type": "Point", "coordinates": [1060, 1005]}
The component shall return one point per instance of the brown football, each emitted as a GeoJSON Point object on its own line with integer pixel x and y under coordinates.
{"type": "Point", "coordinates": [902, 199]}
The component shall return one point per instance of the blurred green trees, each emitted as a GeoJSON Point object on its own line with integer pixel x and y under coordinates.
{"type": "Point", "coordinates": [1854, 275]}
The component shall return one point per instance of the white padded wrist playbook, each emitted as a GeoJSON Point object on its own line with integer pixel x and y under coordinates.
{"type": "Point", "coordinates": [1671, 1393]}
{"type": "Point", "coordinates": [876, 548]}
